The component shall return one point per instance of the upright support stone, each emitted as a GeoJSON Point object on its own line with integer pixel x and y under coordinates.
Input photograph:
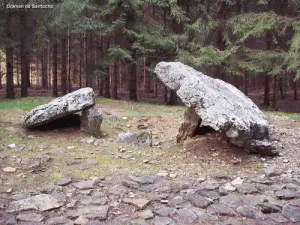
{"type": "Point", "coordinates": [91, 120]}
{"type": "Point", "coordinates": [189, 126]}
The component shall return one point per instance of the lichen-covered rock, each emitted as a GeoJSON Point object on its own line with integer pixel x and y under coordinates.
{"type": "Point", "coordinates": [143, 139]}
{"type": "Point", "coordinates": [90, 121]}
{"type": "Point", "coordinates": [218, 105]}
{"type": "Point", "coordinates": [60, 107]}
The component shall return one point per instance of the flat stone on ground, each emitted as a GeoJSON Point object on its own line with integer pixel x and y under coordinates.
{"type": "Point", "coordinates": [42, 202]}
{"type": "Point", "coordinates": [88, 184]}
{"type": "Point", "coordinates": [30, 217]}
{"type": "Point", "coordinates": [139, 203]}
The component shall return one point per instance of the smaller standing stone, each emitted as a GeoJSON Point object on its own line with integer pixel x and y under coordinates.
{"type": "Point", "coordinates": [91, 120]}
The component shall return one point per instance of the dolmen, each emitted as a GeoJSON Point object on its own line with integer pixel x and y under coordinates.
{"type": "Point", "coordinates": [215, 104]}
{"type": "Point", "coordinates": [82, 100]}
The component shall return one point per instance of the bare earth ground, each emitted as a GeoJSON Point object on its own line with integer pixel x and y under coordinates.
{"type": "Point", "coordinates": [213, 183]}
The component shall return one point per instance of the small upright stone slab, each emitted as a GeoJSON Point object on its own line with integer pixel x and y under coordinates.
{"type": "Point", "coordinates": [90, 121]}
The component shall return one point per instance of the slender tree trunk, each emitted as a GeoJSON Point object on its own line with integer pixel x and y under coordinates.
{"type": "Point", "coordinates": [106, 93]}
{"type": "Point", "coordinates": [69, 63]}
{"type": "Point", "coordinates": [54, 68]}
{"type": "Point", "coordinates": [274, 97]}
{"type": "Point", "coordinates": [18, 70]}
{"type": "Point", "coordinates": [44, 61]}
{"type": "Point", "coordinates": [49, 63]}
{"type": "Point", "coordinates": [80, 61]}
{"type": "Point", "coordinates": [146, 77]}
{"type": "Point", "coordinates": [1, 73]}
{"type": "Point", "coordinates": [25, 71]}
{"type": "Point", "coordinates": [10, 93]}
{"type": "Point", "coordinates": [100, 50]}
{"type": "Point", "coordinates": [295, 90]}
{"type": "Point", "coordinates": [246, 83]}
{"type": "Point", "coordinates": [63, 70]}
{"type": "Point", "coordinates": [132, 82]}
{"type": "Point", "coordinates": [280, 84]}
{"type": "Point", "coordinates": [267, 91]}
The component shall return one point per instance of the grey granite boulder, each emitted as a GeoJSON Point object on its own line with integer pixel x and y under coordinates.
{"type": "Point", "coordinates": [216, 104]}
{"type": "Point", "coordinates": [60, 107]}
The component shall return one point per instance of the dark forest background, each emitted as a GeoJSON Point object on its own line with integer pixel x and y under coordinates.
{"type": "Point", "coordinates": [114, 45]}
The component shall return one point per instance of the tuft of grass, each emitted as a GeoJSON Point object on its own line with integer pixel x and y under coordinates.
{"type": "Point", "coordinates": [294, 116]}
{"type": "Point", "coordinates": [141, 108]}
{"type": "Point", "coordinates": [25, 104]}
{"type": "Point", "coordinates": [56, 176]}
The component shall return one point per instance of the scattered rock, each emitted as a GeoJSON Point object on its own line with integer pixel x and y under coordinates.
{"type": "Point", "coordinates": [291, 212]}
{"type": "Point", "coordinates": [222, 210]}
{"type": "Point", "coordinates": [287, 194]}
{"type": "Point", "coordinates": [85, 184]}
{"type": "Point", "coordinates": [141, 139]}
{"type": "Point", "coordinates": [237, 181]}
{"type": "Point", "coordinates": [146, 214]}
{"type": "Point", "coordinates": [158, 220]}
{"type": "Point", "coordinates": [92, 162]}
{"type": "Point", "coordinates": [139, 203]}
{"type": "Point", "coordinates": [12, 146]}
{"type": "Point", "coordinates": [30, 217]}
{"type": "Point", "coordinates": [278, 218]}
{"type": "Point", "coordinates": [81, 220]}
{"type": "Point", "coordinates": [186, 216]}
{"type": "Point", "coordinates": [9, 169]}
{"type": "Point", "coordinates": [199, 201]}
{"type": "Point", "coordinates": [64, 182]}
{"type": "Point", "coordinates": [59, 220]}
{"type": "Point", "coordinates": [144, 179]}
{"type": "Point", "coordinates": [42, 202]}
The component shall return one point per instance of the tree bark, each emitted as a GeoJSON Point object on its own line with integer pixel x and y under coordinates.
{"type": "Point", "coordinates": [295, 90]}
{"type": "Point", "coordinates": [44, 68]}
{"type": "Point", "coordinates": [69, 63]}
{"type": "Point", "coordinates": [18, 70]}
{"type": "Point", "coordinates": [54, 68]}
{"type": "Point", "coordinates": [274, 97]}
{"type": "Point", "coordinates": [132, 82]}
{"type": "Point", "coordinates": [10, 93]}
{"type": "Point", "coordinates": [80, 61]}
{"type": "Point", "coordinates": [267, 91]}
{"type": "Point", "coordinates": [25, 67]}
{"type": "Point", "coordinates": [63, 71]}
{"type": "Point", "coordinates": [1, 73]}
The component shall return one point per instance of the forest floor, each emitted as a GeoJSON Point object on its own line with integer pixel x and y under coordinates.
{"type": "Point", "coordinates": [84, 179]}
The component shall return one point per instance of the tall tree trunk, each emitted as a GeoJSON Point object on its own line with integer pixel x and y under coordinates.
{"type": "Point", "coordinates": [25, 70]}
{"type": "Point", "coordinates": [69, 63]}
{"type": "Point", "coordinates": [295, 90]}
{"type": "Point", "coordinates": [280, 84]}
{"type": "Point", "coordinates": [100, 52]}
{"type": "Point", "coordinates": [81, 60]}
{"type": "Point", "coordinates": [54, 67]}
{"type": "Point", "coordinates": [1, 73]}
{"type": "Point", "coordinates": [165, 94]}
{"type": "Point", "coordinates": [49, 63]}
{"type": "Point", "coordinates": [274, 97]}
{"type": "Point", "coordinates": [63, 70]}
{"type": "Point", "coordinates": [18, 70]}
{"type": "Point", "coordinates": [146, 77]}
{"type": "Point", "coordinates": [10, 93]}
{"type": "Point", "coordinates": [246, 83]}
{"type": "Point", "coordinates": [267, 91]}
{"type": "Point", "coordinates": [44, 68]}
{"type": "Point", "coordinates": [106, 93]}
{"type": "Point", "coordinates": [132, 82]}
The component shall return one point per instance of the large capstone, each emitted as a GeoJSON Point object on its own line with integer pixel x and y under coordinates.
{"type": "Point", "coordinates": [60, 107]}
{"type": "Point", "coordinates": [216, 105]}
